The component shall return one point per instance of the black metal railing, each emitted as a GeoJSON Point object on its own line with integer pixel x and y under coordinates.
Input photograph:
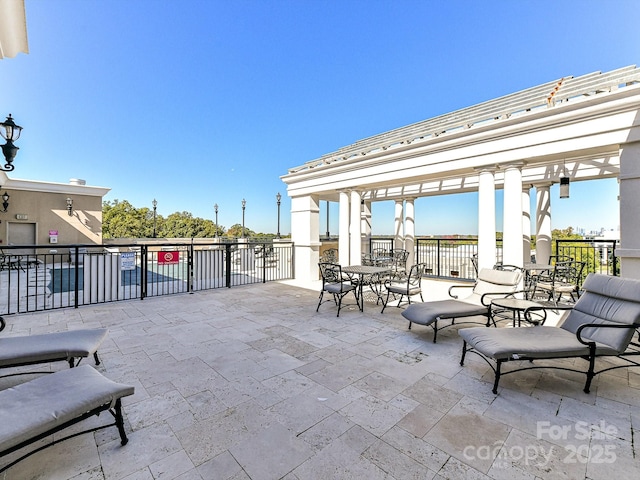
{"type": "Point", "coordinates": [40, 277]}
{"type": "Point", "coordinates": [452, 257]}
{"type": "Point", "coordinates": [598, 255]}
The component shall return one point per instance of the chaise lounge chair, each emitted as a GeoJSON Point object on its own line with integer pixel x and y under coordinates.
{"type": "Point", "coordinates": [37, 409]}
{"type": "Point", "coordinates": [71, 346]}
{"type": "Point", "coordinates": [489, 285]}
{"type": "Point", "coordinates": [602, 323]}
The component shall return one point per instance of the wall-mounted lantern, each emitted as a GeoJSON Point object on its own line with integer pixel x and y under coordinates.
{"type": "Point", "coordinates": [69, 206]}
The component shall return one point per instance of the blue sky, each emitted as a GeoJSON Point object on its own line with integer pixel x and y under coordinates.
{"type": "Point", "coordinates": [204, 101]}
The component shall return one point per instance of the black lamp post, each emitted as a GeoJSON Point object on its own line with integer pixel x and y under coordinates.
{"type": "Point", "coordinates": [278, 198]}
{"type": "Point", "coordinates": [10, 132]}
{"type": "Point", "coordinates": [215, 209]}
{"type": "Point", "coordinates": [244, 204]}
{"type": "Point", "coordinates": [155, 206]}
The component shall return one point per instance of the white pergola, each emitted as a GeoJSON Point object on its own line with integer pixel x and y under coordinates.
{"type": "Point", "coordinates": [586, 127]}
{"type": "Point", "coordinates": [13, 28]}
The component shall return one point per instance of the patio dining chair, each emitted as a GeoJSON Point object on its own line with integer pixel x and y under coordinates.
{"type": "Point", "coordinates": [336, 283]}
{"type": "Point", "coordinates": [564, 281]}
{"type": "Point", "coordinates": [399, 262]}
{"type": "Point", "coordinates": [407, 287]}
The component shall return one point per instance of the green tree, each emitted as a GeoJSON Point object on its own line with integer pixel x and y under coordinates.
{"type": "Point", "coordinates": [235, 231]}
{"type": "Point", "coordinates": [120, 219]}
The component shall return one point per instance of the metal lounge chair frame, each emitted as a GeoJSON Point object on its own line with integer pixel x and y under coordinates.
{"type": "Point", "coordinates": [489, 285]}
{"type": "Point", "coordinates": [602, 323]}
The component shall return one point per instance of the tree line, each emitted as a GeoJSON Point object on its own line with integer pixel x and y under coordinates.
{"type": "Point", "coordinates": [120, 219]}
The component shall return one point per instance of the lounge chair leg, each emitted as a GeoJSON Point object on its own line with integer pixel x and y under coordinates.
{"type": "Point", "coordinates": [409, 325]}
{"type": "Point", "coordinates": [120, 422]}
{"type": "Point", "coordinates": [464, 352]}
{"type": "Point", "coordinates": [96, 358]}
{"type": "Point", "coordinates": [435, 331]}
{"type": "Point", "coordinates": [592, 364]}
{"type": "Point", "coordinates": [320, 302]}
{"type": "Point", "coordinates": [497, 380]}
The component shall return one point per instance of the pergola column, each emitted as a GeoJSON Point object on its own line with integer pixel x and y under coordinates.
{"type": "Point", "coordinates": [410, 231]}
{"type": "Point", "coordinates": [526, 223]}
{"type": "Point", "coordinates": [486, 219]}
{"type": "Point", "coordinates": [355, 254]}
{"type": "Point", "coordinates": [629, 251]}
{"type": "Point", "coordinates": [305, 235]}
{"type": "Point", "coordinates": [343, 227]}
{"type": "Point", "coordinates": [398, 240]}
{"type": "Point", "coordinates": [543, 223]}
{"type": "Point", "coordinates": [512, 218]}
{"type": "Point", "coordinates": [366, 226]}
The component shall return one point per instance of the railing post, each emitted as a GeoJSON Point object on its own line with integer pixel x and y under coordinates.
{"type": "Point", "coordinates": [143, 272]}
{"type": "Point", "coordinates": [264, 262]}
{"type": "Point", "coordinates": [438, 257]}
{"type": "Point", "coordinates": [76, 276]}
{"type": "Point", "coordinates": [190, 268]}
{"type": "Point", "coordinates": [227, 263]}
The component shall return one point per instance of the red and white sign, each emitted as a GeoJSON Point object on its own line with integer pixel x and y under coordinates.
{"type": "Point", "coordinates": [168, 258]}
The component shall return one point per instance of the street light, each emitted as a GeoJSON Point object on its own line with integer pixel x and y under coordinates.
{"type": "Point", "coordinates": [244, 204]}
{"type": "Point", "coordinates": [11, 133]}
{"type": "Point", "coordinates": [278, 198]}
{"type": "Point", "coordinates": [215, 208]}
{"type": "Point", "coordinates": [155, 206]}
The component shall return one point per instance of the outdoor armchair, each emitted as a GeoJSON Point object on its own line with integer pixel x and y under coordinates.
{"type": "Point", "coordinates": [336, 283]}
{"type": "Point", "coordinates": [408, 287]}
{"type": "Point", "coordinates": [602, 323]}
{"type": "Point", "coordinates": [489, 285]}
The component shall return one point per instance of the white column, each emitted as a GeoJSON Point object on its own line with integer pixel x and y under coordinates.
{"type": "Point", "coordinates": [543, 223]}
{"type": "Point", "coordinates": [629, 251]}
{"type": "Point", "coordinates": [526, 224]}
{"type": "Point", "coordinates": [512, 220]}
{"type": "Point", "coordinates": [366, 226]}
{"type": "Point", "coordinates": [486, 219]}
{"type": "Point", "coordinates": [305, 234]}
{"type": "Point", "coordinates": [343, 226]}
{"type": "Point", "coordinates": [410, 231]}
{"type": "Point", "coordinates": [398, 236]}
{"type": "Point", "coordinates": [355, 254]}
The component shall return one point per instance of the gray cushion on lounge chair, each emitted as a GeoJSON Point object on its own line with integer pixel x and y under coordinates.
{"type": "Point", "coordinates": [533, 342]}
{"type": "Point", "coordinates": [46, 402]}
{"type": "Point", "coordinates": [606, 301]}
{"type": "Point", "coordinates": [22, 350]}
{"type": "Point", "coordinates": [429, 312]}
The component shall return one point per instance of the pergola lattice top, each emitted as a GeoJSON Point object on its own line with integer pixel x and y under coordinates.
{"type": "Point", "coordinates": [546, 95]}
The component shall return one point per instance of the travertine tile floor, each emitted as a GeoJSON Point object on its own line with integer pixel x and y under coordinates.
{"type": "Point", "coordinates": [252, 383]}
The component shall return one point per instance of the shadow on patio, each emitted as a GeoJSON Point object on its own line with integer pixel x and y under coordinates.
{"type": "Point", "coordinates": [252, 383]}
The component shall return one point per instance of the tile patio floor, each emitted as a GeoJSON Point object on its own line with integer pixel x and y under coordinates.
{"type": "Point", "coordinates": [252, 383]}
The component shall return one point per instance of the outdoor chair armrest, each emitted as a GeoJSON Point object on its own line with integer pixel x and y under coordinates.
{"type": "Point", "coordinates": [529, 311]}
{"type": "Point", "coordinates": [493, 295]}
{"type": "Point", "coordinates": [598, 325]}
{"type": "Point", "coordinates": [458, 286]}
